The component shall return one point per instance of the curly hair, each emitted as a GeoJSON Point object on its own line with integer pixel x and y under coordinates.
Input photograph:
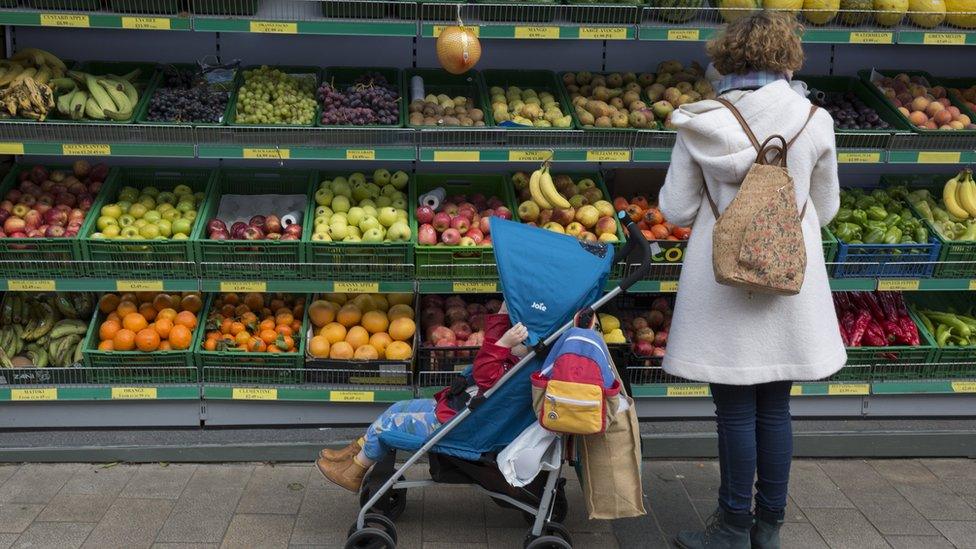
{"type": "Point", "coordinates": [763, 41]}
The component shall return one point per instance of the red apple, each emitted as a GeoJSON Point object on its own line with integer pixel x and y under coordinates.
{"type": "Point", "coordinates": [257, 221]}
{"type": "Point", "coordinates": [476, 235]}
{"type": "Point", "coordinates": [426, 234]}
{"type": "Point", "coordinates": [451, 237]}
{"type": "Point", "coordinates": [237, 230]}
{"type": "Point", "coordinates": [272, 224]}
{"type": "Point", "coordinates": [661, 338]}
{"type": "Point", "coordinates": [38, 174]}
{"type": "Point", "coordinates": [658, 352]}
{"type": "Point", "coordinates": [293, 230]}
{"type": "Point", "coordinates": [661, 304]}
{"type": "Point", "coordinates": [219, 234]}
{"type": "Point", "coordinates": [253, 233]}
{"type": "Point", "coordinates": [442, 333]}
{"type": "Point", "coordinates": [425, 214]}
{"type": "Point", "coordinates": [33, 219]}
{"type": "Point", "coordinates": [14, 225]}
{"type": "Point", "coordinates": [442, 222]}
{"type": "Point", "coordinates": [81, 168]}
{"type": "Point", "coordinates": [98, 172]}
{"type": "Point", "coordinates": [7, 205]}
{"type": "Point", "coordinates": [644, 348]}
{"type": "Point", "coordinates": [494, 203]}
{"type": "Point", "coordinates": [503, 212]}
{"type": "Point", "coordinates": [55, 216]}
{"type": "Point", "coordinates": [468, 211]}
{"type": "Point", "coordinates": [216, 225]}
{"type": "Point", "coordinates": [655, 319]}
{"type": "Point", "coordinates": [455, 301]}
{"type": "Point", "coordinates": [450, 208]}
{"type": "Point", "coordinates": [461, 223]}
{"type": "Point", "coordinates": [432, 300]}
{"type": "Point", "coordinates": [54, 231]}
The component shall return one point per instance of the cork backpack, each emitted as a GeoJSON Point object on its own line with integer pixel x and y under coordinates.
{"type": "Point", "coordinates": [757, 242]}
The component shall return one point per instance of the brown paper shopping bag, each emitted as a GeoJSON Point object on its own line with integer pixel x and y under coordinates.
{"type": "Point", "coordinates": [610, 468]}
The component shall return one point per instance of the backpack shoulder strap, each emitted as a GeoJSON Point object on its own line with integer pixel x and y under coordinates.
{"type": "Point", "coordinates": [813, 111]}
{"type": "Point", "coordinates": [742, 122]}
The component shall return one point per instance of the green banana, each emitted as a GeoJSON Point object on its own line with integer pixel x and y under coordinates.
{"type": "Point", "coordinates": [117, 93]}
{"type": "Point", "coordinates": [78, 354]}
{"type": "Point", "coordinates": [64, 305]}
{"type": "Point", "coordinates": [64, 102]}
{"type": "Point", "coordinates": [78, 101]}
{"type": "Point", "coordinates": [101, 97]}
{"type": "Point", "coordinates": [38, 357]}
{"type": "Point", "coordinates": [94, 110]}
{"type": "Point", "coordinates": [64, 84]}
{"type": "Point", "coordinates": [129, 90]}
{"type": "Point", "coordinates": [118, 115]}
{"type": "Point", "coordinates": [5, 360]}
{"type": "Point", "coordinates": [68, 327]}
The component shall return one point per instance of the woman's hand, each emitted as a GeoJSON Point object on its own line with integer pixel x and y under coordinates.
{"type": "Point", "coordinates": [515, 335]}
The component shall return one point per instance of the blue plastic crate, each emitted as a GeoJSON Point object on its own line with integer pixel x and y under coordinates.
{"type": "Point", "coordinates": [886, 260]}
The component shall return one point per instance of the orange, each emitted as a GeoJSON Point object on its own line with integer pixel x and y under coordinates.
{"type": "Point", "coordinates": [334, 332]}
{"type": "Point", "coordinates": [257, 346]}
{"type": "Point", "coordinates": [400, 311]}
{"type": "Point", "coordinates": [208, 345]}
{"type": "Point", "coordinates": [226, 325]}
{"type": "Point", "coordinates": [126, 308]}
{"type": "Point", "coordinates": [249, 318]}
{"type": "Point", "coordinates": [124, 340]}
{"type": "Point", "coordinates": [402, 329]}
{"type": "Point", "coordinates": [108, 303]}
{"type": "Point", "coordinates": [108, 329]}
{"type": "Point", "coordinates": [364, 302]}
{"type": "Point", "coordinates": [243, 338]}
{"type": "Point", "coordinates": [268, 336]}
{"type": "Point", "coordinates": [341, 350]}
{"type": "Point", "coordinates": [163, 327]}
{"type": "Point", "coordinates": [106, 345]}
{"type": "Point", "coordinates": [232, 299]}
{"type": "Point", "coordinates": [380, 302]}
{"type": "Point", "coordinates": [267, 324]}
{"type": "Point", "coordinates": [180, 336]}
{"type": "Point", "coordinates": [400, 299]}
{"type": "Point", "coordinates": [349, 315]}
{"type": "Point", "coordinates": [285, 344]}
{"type": "Point", "coordinates": [398, 350]}
{"type": "Point", "coordinates": [114, 316]}
{"type": "Point", "coordinates": [235, 328]}
{"type": "Point", "coordinates": [162, 301]}
{"type": "Point", "coordinates": [380, 341]}
{"type": "Point", "coordinates": [357, 337]}
{"type": "Point", "coordinates": [168, 312]}
{"type": "Point", "coordinates": [165, 346]}
{"type": "Point", "coordinates": [147, 340]}
{"type": "Point", "coordinates": [285, 330]}
{"type": "Point", "coordinates": [284, 318]}
{"type": "Point", "coordinates": [319, 346]}
{"type": "Point", "coordinates": [148, 311]}
{"type": "Point", "coordinates": [129, 296]}
{"type": "Point", "coordinates": [134, 322]}
{"type": "Point", "coordinates": [227, 310]}
{"type": "Point", "coordinates": [366, 352]}
{"type": "Point", "coordinates": [241, 310]}
{"type": "Point", "coordinates": [296, 326]}
{"type": "Point", "coordinates": [192, 303]}
{"type": "Point", "coordinates": [375, 322]}
{"type": "Point", "coordinates": [186, 318]}
{"type": "Point", "coordinates": [254, 301]}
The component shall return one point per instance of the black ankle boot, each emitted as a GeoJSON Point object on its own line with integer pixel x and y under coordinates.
{"type": "Point", "coordinates": [723, 531]}
{"type": "Point", "coordinates": [765, 532]}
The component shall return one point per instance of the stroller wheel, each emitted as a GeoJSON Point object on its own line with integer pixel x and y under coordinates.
{"type": "Point", "coordinates": [557, 529]}
{"type": "Point", "coordinates": [544, 542]}
{"type": "Point", "coordinates": [392, 504]}
{"type": "Point", "coordinates": [370, 538]}
{"type": "Point", "coordinates": [374, 521]}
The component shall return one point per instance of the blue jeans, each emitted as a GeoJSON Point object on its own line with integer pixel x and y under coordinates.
{"type": "Point", "coordinates": [415, 417]}
{"type": "Point", "coordinates": [754, 435]}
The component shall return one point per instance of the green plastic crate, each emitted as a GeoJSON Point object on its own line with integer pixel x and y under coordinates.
{"type": "Point", "coordinates": [143, 258]}
{"type": "Point", "coordinates": [604, 12]}
{"type": "Point", "coordinates": [533, 11]}
{"type": "Point", "coordinates": [27, 256]}
{"type": "Point", "coordinates": [142, 117]}
{"type": "Point", "coordinates": [865, 76]}
{"type": "Point", "coordinates": [225, 7]}
{"type": "Point", "coordinates": [439, 81]}
{"type": "Point", "coordinates": [231, 118]}
{"type": "Point", "coordinates": [341, 77]}
{"type": "Point", "coordinates": [947, 362]}
{"type": "Point", "coordinates": [458, 262]}
{"type": "Point", "coordinates": [167, 7]}
{"type": "Point", "coordinates": [886, 363]}
{"type": "Point", "coordinates": [829, 247]}
{"type": "Point", "coordinates": [539, 81]}
{"type": "Point", "coordinates": [848, 138]}
{"type": "Point", "coordinates": [357, 261]}
{"type": "Point", "coordinates": [246, 259]}
{"type": "Point", "coordinates": [142, 83]}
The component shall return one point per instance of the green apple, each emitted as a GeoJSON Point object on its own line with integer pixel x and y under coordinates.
{"type": "Point", "coordinates": [360, 191]}
{"type": "Point", "coordinates": [399, 232]}
{"type": "Point", "coordinates": [387, 216]}
{"type": "Point", "coordinates": [126, 220]}
{"type": "Point", "coordinates": [352, 238]}
{"type": "Point", "coordinates": [388, 190]}
{"type": "Point", "coordinates": [382, 176]}
{"type": "Point", "coordinates": [182, 226]}
{"type": "Point", "coordinates": [400, 179]}
{"type": "Point", "coordinates": [128, 194]}
{"type": "Point", "coordinates": [165, 228]}
{"type": "Point", "coordinates": [129, 232]}
{"type": "Point", "coordinates": [321, 229]}
{"type": "Point", "coordinates": [369, 222]}
{"type": "Point", "coordinates": [151, 191]}
{"type": "Point", "coordinates": [198, 197]}
{"type": "Point", "coordinates": [338, 232]}
{"type": "Point", "coordinates": [321, 237]}
{"type": "Point", "coordinates": [357, 177]}
{"type": "Point", "coordinates": [370, 209]}
{"type": "Point", "coordinates": [147, 201]}
{"type": "Point", "coordinates": [124, 205]}
{"type": "Point", "coordinates": [112, 231]}
{"type": "Point", "coordinates": [355, 215]}
{"type": "Point", "coordinates": [106, 221]}
{"type": "Point", "coordinates": [374, 190]}
{"type": "Point", "coordinates": [171, 214]}
{"type": "Point", "coordinates": [399, 204]}
{"type": "Point", "coordinates": [321, 222]}
{"type": "Point", "coordinates": [140, 223]}
{"type": "Point", "coordinates": [383, 202]}
{"type": "Point", "coordinates": [164, 207]}
{"type": "Point", "coordinates": [152, 216]}
{"type": "Point", "coordinates": [111, 210]}
{"type": "Point", "coordinates": [98, 236]}
{"type": "Point", "coordinates": [138, 210]}
{"type": "Point", "coordinates": [340, 203]}
{"type": "Point", "coordinates": [373, 235]}
{"type": "Point", "coordinates": [185, 205]}
{"type": "Point", "coordinates": [182, 189]}
{"type": "Point", "coordinates": [339, 218]}
{"type": "Point", "coordinates": [323, 211]}
{"type": "Point", "coordinates": [402, 216]}
{"type": "Point", "coordinates": [323, 197]}
{"type": "Point", "coordinates": [166, 197]}
{"type": "Point", "coordinates": [190, 215]}
{"type": "Point", "coordinates": [180, 236]}
{"type": "Point", "coordinates": [325, 185]}
{"type": "Point", "coordinates": [353, 230]}
{"type": "Point", "coordinates": [398, 194]}
{"type": "Point", "coordinates": [340, 187]}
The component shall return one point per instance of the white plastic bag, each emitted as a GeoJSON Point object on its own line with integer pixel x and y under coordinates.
{"type": "Point", "coordinates": [532, 451]}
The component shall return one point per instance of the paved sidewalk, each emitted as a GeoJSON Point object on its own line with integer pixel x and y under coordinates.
{"type": "Point", "coordinates": [924, 504]}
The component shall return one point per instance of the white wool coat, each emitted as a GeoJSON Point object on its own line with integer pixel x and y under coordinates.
{"type": "Point", "coordinates": [721, 334]}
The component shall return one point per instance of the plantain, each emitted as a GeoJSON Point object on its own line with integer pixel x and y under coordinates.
{"type": "Point", "coordinates": [117, 93]}
{"type": "Point", "coordinates": [37, 356]}
{"type": "Point", "coordinates": [65, 305]}
{"type": "Point", "coordinates": [93, 109]}
{"type": "Point", "coordinates": [78, 102]}
{"type": "Point", "coordinates": [12, 73]}
{"type": "Point", "coordinates": [7, 309]}
{"type": "Point", "coordinates": [5, 360]}
{"type": "Point", "coordinates": [98, 93]}
{"type": "Point", "coordinates": [31, 71]}
{"type": "Point", "coordinates": [68, 327]}
{"type": "Point", "coordinates": [118, 115]}
{"type": "Point", "coordinates": [536, 191]}
{"type": "Point", "coordinates": [63, 84]}
{"type": "Point", "coordinates": [129, 90]}
{"type": "Point", "coordinates": [43, 75]}
{"type": "Point", "coordinates": [45, 322]}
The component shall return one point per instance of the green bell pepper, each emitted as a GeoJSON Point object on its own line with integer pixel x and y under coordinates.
{"type": "Point", "coordinates": [874, 236]}
{"type": "Point", "coordinates": [859, 216]}
{"type": "Point", "coordinates": [865, 202]}
{"type": "Point", "coordinates": [879, 225]}
{"type": "Point", "coordinates": [892, 236]}
{"type": "Point", "coordinates": [921, 235]}
{"type": "Point", "coordinates": [881, 196]}
{"type": "Point", "coordinates": [844, 215]}
{"type": "Point", "coordinates": [877, 213]}
{"type": "Point", "coordinates": [847, 231]}
{"type": "Point", "coordinates": [892, 219]}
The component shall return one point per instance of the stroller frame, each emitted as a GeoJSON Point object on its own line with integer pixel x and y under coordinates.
{"type": "Point", "coordinates": [542, 513]}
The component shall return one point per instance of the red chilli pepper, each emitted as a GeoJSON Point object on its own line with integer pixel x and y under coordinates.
{"type": "Point", "coordinates": [893, 332]}
{"type": "Point", "coordinates": [860, 326]}
{"type": "Point", "coordinates": [888, 305]}
{"type": "Point", "coordinates": [846, 325]}
{"type": "Point", "coordinates": [874, 336]}
{"type": "Point", "coordinates": [872, 302]}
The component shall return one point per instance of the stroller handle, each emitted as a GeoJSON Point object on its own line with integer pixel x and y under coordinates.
{"type": "Point", "coordinates": [635, 239]}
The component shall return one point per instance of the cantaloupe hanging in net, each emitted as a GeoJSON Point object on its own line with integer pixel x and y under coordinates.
{"type": "Point", "coordinates": [458, 48]}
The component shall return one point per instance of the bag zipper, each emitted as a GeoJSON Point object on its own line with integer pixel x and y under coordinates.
{"type": "Point", "coordinates": [589, 403]}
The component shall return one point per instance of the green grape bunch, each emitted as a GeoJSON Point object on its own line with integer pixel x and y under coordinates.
{"type": "Point", "coordinates": [270, 96]}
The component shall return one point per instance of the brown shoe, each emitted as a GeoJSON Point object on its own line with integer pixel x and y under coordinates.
{"type": "Point", "coordinates": [340, 455]}
{"type": "Point", "coordinates": [347, 474]}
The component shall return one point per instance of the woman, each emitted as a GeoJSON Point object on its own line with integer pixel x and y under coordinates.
{"type": "Point", "coordinates": [750, 346]}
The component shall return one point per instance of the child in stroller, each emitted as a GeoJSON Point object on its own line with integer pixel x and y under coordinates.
{"type": "Point", "coordinates": [502, 348]}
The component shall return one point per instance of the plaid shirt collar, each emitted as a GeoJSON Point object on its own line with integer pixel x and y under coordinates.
{"type": "Point", "coordinates": [748, 81]}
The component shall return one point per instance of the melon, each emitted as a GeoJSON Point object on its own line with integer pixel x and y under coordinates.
{"type": "Point", "coordinates": [733, 10]}
{"type": "Point", "coordinates": [685, 9]}
{"type": "Point", "coordinates": [458, 49]}
{"type": "Point", "coordinates": [927, 13]}
{"type": "Point", "coordinates": [855, 12]}
{"type": "Point", "coordinates": [889, 13]}
{"type": "Point", "coordinates": [820, 12]}
{"type": "Point", "coordinates": [783, 5]}
{"type": "Point", "coordinates": [961, 13]}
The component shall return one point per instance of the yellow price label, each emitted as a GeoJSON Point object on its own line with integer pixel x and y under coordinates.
{"type": "Point", "coordinates": [438, 29]}
{"type": "Point", "coordinates": [146, 23]}
{"type": "Point", "coordinates": [898, 285]}
{"type": "Point", "coordinates": [684, 35]}
{"type": "Point", "coordinates": [360, 154]}
{"type": "Point", "coordinates": [34, 394]}
{"type": "Point", "coordinates": [529, 156]}
{"type": "Point", "coordinates": [267, 154]}
{"type": "Point", "coordinates": [30, 285]}
{"type": "Point", "coordinates": [848, 389]}
{"type": "Point", "coordinates": [134, 393]}
{"type": "Point", "coordinates": [860, 37]}
{"type": "Point", "coordinates": [972, 285]}
{"type": "Point", "coordinates": [475, 287]}
{"type": "Point", "coordinates": [687, 390]}
{"type": "Point", "coordinates": [356, 287]}
{"type": "Point", "coordinates": [457, 156]}
{"type": "Point", "coordinates": [669, 286]}
{"type": "Point", "coordinates": [608, 156]}
{"type": "Point", "coordinates": [858, 157]}
{"type": "Point", "coordinates": [64, 20]}
{"type": "Point", "coordinates": [274, 27]}
{"type": "Point", "coordinates": [796, 390]}
{"type": "Point", "coordinates": [254, 393]}
{"type": "Point", "coordinates": [243, 286]}
{"type": "Point", "coordinates": [11, 148]}
{"type": "Point", "coordinates": [352, 396]}
{"type": "Point", "coordinates": [964, 386]}
{"type": "Point", "coordinates": [938, 157]}
{"type": "Point", "coordinates": [534, 33]}
{"type": "Point", "coordinates": [603, 33]}
{"type": "Point", "coordinates": [944, 38]}
{"type": "Point", "coordinates": [139, 285]}
{"type": "Point", "coordinates": [71, 149]}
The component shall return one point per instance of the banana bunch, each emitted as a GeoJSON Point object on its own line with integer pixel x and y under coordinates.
{"type": "Point", "coordinates": [544, 191]}
{"type": "Point", "coordinates": [41, 66]}
{"type": "Point", "coordinates": [959, 195]}
{"type": "Point", "coordinates": [27, 99]}
{"type": "Point", "coordinates": [43, 330]}
{"type": "Point", "coordinates": [97, 97]}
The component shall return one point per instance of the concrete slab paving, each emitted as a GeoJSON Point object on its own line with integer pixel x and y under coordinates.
{"type": "Point", "coordinates": [63, 535]}
{"type": "Point", "coordinates": [130, 523]}
{"type": "Point", "coordinates": [16, 517]}
{"type": "Point", "coordinates": [269, 531]}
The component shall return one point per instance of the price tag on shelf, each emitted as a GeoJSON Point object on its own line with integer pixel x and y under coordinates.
{"type": "Point", "coordinates": [274, 27]}
{"type": "Point", "coordinates": [267, 154]}
{"type": "Point", "coordinates": [360, 154]}
{"type": "Point", "coordinates": [34, 394]}
{"type": "Point", "coordinates": [796, 390]}
{"type": "Point", "coordinates": [669, 286]}
{"type": "Point", "coordinates": [684, 35]}
{"type": "Point", "coordinates": [138, 285]}
{"type": "Point", "coordinates": [848, 389]}
{"type": "Point", "coordinates": [11, 148]}
{"type": "Point", "coordinates": [860, 37]}
{"type": "Point", "coordinates": [65, 20]}
{"type": "Point", "coordinates": [608, 156]}
{"type": "Point", "coordinates": [687, 391]}
{"type": "Point", "coordinates": [31, 285]}
{"type": "Point", "coordinates": [73, 149]}
{"type": "Point", "coordinates": [356, 287]}
{"type": "Point", "coordinates": [972, 285]}
{"type": "Point", "coordinates": [438, 29]}
{"type": "Point", "coordinates": [457, 156]}
{"type": "Point", "coordinates": [529, 156]}
{"type": "Point", "coordinates": [254, 393]}
{"type": "Point", "coordinates": [603, 33]}
{"type": "Point", "coordinates": [146, 23]}
{"type": "Point", "coordinates": [858, 157]}
{"type": "Point", "coordinates": [244, 286]}
{"type": "Point", "coordinates": [964, 386]}
{"type": "Point", "coordinates": [944, 38]}
{"type": "Point", "coordinates": [534, 33]}
{"type": "Point", "coordinates": [134, 393]}
{"type": "Point", "coordinates": [352, 396]}
{"type": "Point", "coordinates": [898, 285]}
{"type": "Point", "coordinates": [939, 157]}
{"type": "Point", "coordinates": [474, 287]}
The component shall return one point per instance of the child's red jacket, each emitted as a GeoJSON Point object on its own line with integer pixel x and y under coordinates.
{"type": "Point", "coordinates": [490, 364]}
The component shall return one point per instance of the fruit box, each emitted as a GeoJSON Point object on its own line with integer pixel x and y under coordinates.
{"type": "Point", "coordinates": [439, 81]}
{"type": "Point", "coordinates": [137, 366]}
{"type": "Point", "coordinates": [865, 75]}
{"type": "Point", "coordinates": [142, 83]}
{"type": "Point", "coordinates": [858, 138]}
{"type": "Point", "coordinates": [579, 125]}
{"type": "Point", "coordinates": [341, 77]}
{"type": "Point", "coordinates": [225, 7]}
{"type": "Point", "coordinates": [251, 259]}
{"type": "Point", "coordinates": [458, 262]}
{"type": "Point", "coordinates": [641, 370]}
{"type": "Point", "coordinates": [357, 261]}
{"type": "Point", "coordinates": [532, 11]}
{"type": "Point", "coordinates": [888, 363]}
{"type": "Point", "coordinates": [946, 362]}
{"type": "Point", "coordinates": [438, 366]}
{"type": "Point", "coordinates": [624, 12]}
{"type": "Point", "coordinates": [959, 83]}
{"type": "Point", "coordinates": [538, 80]}
{"type": "Point", "coordinates": [142, 116]}
{"type": "Point", "coordinates": [33, 258]}
{"type": "Point", "coordinates": [168, 7]}
{"type": "Point", "coordinates": [310, 73]}
{"type": "Point", "coordinates": [377, 373]}
{"type": "Point", "coordinates": [145, 258]}
{"type": "Point", "coordinates": [237, 366]}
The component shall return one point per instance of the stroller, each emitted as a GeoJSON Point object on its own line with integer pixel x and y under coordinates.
{"type": "Point", "coordinates": [546, 279]}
